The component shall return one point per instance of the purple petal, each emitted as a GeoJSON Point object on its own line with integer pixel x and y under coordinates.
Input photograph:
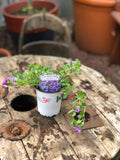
{"type": "Point", "coordinates": [69, 63]}
{"type": "Point", "coordinates": [53, 90]}
{"type": "Point", "coordinates": [77, 129]}
{"type": "Point", "coordinates": [5, 81]}
{"type": "Point", "coordinates": [44, 89]}
{"type": "Point", "coordinates": [12, 79]}
{"type": "Point", "coordinates": [42, 84]}
{"type": "Point", "coordinates": [59, 85]}
{"type": "Point", "coordinates": [52, 86]}
{"type": "Point", "coordinates": [12, 86]}
{"type": "Point", "coordinates": [77, 109]}
{"type": "Point", "coordinates": [49, 82]}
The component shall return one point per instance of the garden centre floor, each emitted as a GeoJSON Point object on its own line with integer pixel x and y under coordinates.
{"type": "Point", "coordinates": [99, 63]}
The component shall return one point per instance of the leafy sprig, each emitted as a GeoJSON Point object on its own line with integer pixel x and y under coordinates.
{"type": "Point", "coordinates": [78, 111]}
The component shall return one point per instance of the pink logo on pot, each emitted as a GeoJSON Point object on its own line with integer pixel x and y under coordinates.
{"type": "Point", "coordinates": [46, 100]}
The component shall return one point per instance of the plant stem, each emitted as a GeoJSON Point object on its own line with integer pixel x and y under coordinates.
{"type": "Point", "coordinates": [30, 7]}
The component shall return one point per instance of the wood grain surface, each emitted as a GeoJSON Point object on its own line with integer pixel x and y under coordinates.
{"type": "Point", "coordinates": [52, 138]}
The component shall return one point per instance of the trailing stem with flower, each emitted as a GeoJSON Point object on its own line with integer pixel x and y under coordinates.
{"type": "Point", "coordinates": [45, 79]}
{"type": "Point", "coordinates": [77, 113]}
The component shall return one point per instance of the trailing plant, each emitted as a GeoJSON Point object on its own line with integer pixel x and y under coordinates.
{"type": "Point", "coordinates": [33, 77]}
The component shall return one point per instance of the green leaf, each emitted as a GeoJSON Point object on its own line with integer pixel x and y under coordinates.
{"type": "Point", "coordinates": [24, 9]}
{"type": "Point", "coordinates": [81, 113]}
{"type": "Point", "coordinates": [64, 96]}
{"type": "Point", "coordinates": [72, 123]}
{"type": "Point", "coordinates": [70, 115]}
{"type": "Point", "coordinates": [79, 116]}
{"type": "Point", "coordinates": [74, 101]}
{"type": "Point", "coordinates": [83, 105]}
{"type": "Point", "coordinates": [79, 121]}
{"type": "Point", "coordinates": [74, 114]}
{"type": "Point", "coordinates": [37, 11]}
{"type": "Point", "coordinates": [82, 124]}
{"type": "Point", "coordinates": [72, 110]}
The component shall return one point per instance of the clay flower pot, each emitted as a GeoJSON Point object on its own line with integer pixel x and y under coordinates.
{"type": "Point", "coordinates": [4, 52]}
{"type": "Point", "coordinates": [94, 25]}
{"type": "Point", "coordinates": [14, 22]}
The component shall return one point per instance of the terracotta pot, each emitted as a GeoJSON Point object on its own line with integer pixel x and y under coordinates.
{"type": "Point", "coordinates": [5, 52]}
{"type": "Point", "coordinates": [115, 52]}
{"type": "Point", "coordinates": [14, 22]}
{"type": "Point", "coordinates": [117, 6]}
{"type": "Point", "coordinates": [94, 25]}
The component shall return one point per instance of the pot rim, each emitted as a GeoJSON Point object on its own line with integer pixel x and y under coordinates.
{"type": "Point", "coordinates": [48, 92]}
{"type": "Point", "coordinates": [7, 14]}
{"type": "Point", "coordinates": [5, 52]}
{"type": "Point", "coordinates": [102, 3]}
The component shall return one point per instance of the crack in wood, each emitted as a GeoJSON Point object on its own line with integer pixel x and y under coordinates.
{"type": "Point", "coordinates": [103, 95]}
{"type": "Point", "coordinates": [3, 110]}
{"type": "Point", "coordinates": [22, 65]}
{"type": "Point", "coordinates": [86, 85]}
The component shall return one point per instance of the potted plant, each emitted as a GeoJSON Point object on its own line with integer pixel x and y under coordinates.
{"type": "Point", "coordinates": [51, 87]}
{"type": "Point", "coordinates": [16, 12]}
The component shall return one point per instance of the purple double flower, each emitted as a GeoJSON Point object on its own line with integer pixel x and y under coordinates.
{"type": "Point", "coordinates": [50, 82]}
{"type": "Point", "coordinates": [4, 81]}
{"type": "Point", "coordinates": [77, 109]}
{"type": "Point", "coordinates": [50, 86]}
{"type": "Point", "coordinates": [12, 79]}
{"type": "Point", "coordinates": [77, 129]}
{"type": "Point", "coordinates": [70, 67]}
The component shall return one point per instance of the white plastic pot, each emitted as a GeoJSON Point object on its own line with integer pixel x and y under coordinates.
{"type": "Point", "coordinates": [49, 104]}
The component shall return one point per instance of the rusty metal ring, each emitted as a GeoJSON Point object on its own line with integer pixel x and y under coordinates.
{"type": "Point", "coordinates": [16, 130]}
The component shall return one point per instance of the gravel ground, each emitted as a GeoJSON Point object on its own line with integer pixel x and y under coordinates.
{"type": "Point", "coordinates": [99, 63]}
